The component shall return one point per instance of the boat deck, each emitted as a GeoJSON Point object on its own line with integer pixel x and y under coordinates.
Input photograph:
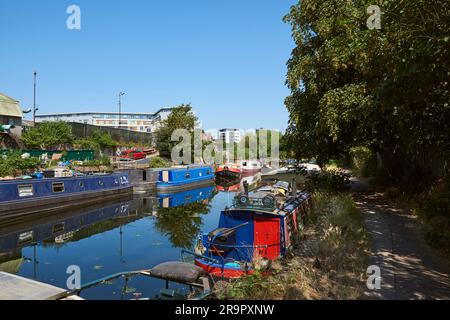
{"type": "Point", "coordinates": [18, 288]}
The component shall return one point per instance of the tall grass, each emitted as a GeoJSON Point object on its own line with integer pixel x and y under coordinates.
{"type": "Point", "coordinates": [329, 263]}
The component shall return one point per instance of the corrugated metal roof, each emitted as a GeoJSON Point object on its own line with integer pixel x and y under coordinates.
{"type": "Point", "coordinates": [9, 107]}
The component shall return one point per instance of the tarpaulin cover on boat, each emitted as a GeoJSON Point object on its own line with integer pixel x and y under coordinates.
{"type": "Point", "coordinates": [177, 272]}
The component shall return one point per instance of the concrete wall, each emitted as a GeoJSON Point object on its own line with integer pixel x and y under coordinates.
{"type": "Point", "coordinates": [82, 130]}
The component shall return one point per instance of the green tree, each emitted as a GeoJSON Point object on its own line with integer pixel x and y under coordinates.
{"type": "Point", "coordinates": [48, 135]}
{"type": "Point", "coordinates": [157, 162]}
{"type": "Point", "coordinates": [181, 117]}
{"type": "Point", "coordinates": [386, 89]}
{"type": "Point", "coordinates": [103, 139]}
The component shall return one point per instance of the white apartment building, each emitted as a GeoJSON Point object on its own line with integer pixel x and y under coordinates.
{"type": "Point", "coordinates": [230, 135]}
{"type": "Point", "coordinates": [140, 122]}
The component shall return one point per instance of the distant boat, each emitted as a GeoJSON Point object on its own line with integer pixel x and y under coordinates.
{"type": "Point", "coordinates": [24, 197]}
{"type": "Point", "coordinates": [184, 177]}
{"type": "Point", "coordinates": [261, 226]}
{"type": "Point", "coordinates": [229, 171]}
{"type": "Point", "coordinates": [251, 167]}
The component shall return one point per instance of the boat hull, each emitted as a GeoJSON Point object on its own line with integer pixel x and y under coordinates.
{"type": "Point", "coordinates": [178, 187]}
{"type": "Point", "coordinates": [250, 172]}
{"type": "Point", "coordinates": [54, 204]}
{"type": "Point", "coordinates": [75, 192]}
{"type": "Point", "coordinates": [215, 270]}
{"type": "Point", "coordinates": [179, 179]}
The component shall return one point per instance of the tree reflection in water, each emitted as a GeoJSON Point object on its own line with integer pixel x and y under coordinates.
{"type": "Point", "coordinates": [182, 224]}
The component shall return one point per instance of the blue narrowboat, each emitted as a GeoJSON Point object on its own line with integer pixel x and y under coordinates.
{"type": "Point", "coordinates": [24, 197]}
{"type": "Point", "coordinates": [181, 178]}
{"type": "Point", "coordinates": [261, 226]}
{"type": "Point", "coordinates": [171, 200]}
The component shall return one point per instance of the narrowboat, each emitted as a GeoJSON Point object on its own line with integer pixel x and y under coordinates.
{"type": "Point", "coordinates": [184, 177]}
{"type": "Point", "coordinates": [229, 171]}
{"type": "Point", "coordinates": [261, 226]}
{"type": "Point", "coordinates": [24, 197]}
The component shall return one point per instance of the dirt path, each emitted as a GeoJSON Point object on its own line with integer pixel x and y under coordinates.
{"type": "Point", "coordinates": [410, 269]}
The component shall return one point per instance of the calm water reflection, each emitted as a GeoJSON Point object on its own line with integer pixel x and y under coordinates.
{"type": "Point", "coordinates": [130, 234]}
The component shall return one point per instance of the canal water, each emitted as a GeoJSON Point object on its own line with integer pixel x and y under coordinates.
{"type": "Point", "coordinates": [130, 234]}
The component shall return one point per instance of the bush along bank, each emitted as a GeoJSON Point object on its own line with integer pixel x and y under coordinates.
{"type": "Point", "coordinates": [433, 209]}
{"type": "Point", "coordinates": [329, 262]}
{"type": "Point", "coordinates": [13, 165]}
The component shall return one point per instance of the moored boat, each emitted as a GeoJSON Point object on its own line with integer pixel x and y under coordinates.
{"type": "Point", "coordinates": [23, 197]}
{"type": "Point", "coordinates": [229, 171]}
{"type": "Point", "coordinates": [251, 167]}
{"type": "Point", "coordinates": [184, 177]}
{"type": "Point", "coordinates": [262, 225]}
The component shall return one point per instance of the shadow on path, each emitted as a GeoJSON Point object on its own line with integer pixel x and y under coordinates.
{"type": "Point", "coordinates": [410, 269]}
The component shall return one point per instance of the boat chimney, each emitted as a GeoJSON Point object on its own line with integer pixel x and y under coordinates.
{"type": "Point", "coordinates": [294, 187]}
{"type": "Point", "coordinates": [246, 187]}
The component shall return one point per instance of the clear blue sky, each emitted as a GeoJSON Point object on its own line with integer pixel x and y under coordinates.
{"type": "Point", "coordinates": [227, 58]}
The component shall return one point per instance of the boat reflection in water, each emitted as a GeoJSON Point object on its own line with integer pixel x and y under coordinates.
{"type": "Point", "coordinates": [238, 185]}
{"type": "Point", "coordinates": [106, 239]}
{"type": "Point", "coordinates": [171, 200]}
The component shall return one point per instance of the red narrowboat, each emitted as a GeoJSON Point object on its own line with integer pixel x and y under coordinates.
{"type": "Point", "coordinates": [261, 226]}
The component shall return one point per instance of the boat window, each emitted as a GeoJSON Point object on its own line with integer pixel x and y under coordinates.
{"type": "Point", "coordinates": [81, 184]}
{"type": "Point", "coordinates": [58, 187]}
{"type": "Point", "coordinates": [188, 175]}
{"type": "Point", "coordinates": [100, 182]}
{"type": "Point", "coordinates": [208, 172]}
{"type": "Point", "coordinates": [57, 228]}
{"type": "Point", "coordinates": [25, 190]}
{"type": "Point", "coordinates": [25, 237]}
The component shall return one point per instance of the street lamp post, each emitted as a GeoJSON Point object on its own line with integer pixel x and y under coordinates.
{"type": "Point", "coordinates": [120, 107]}
{"type": "Point", "coordinates": [34, 99]}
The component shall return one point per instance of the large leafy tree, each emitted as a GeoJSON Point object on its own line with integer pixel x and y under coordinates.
{"type": "Point", "coordinates": [386, 89]}
{"type": "Point", "coordinates": [181, 117]}
{"type": "Point", "coordinates": [48, 135]}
